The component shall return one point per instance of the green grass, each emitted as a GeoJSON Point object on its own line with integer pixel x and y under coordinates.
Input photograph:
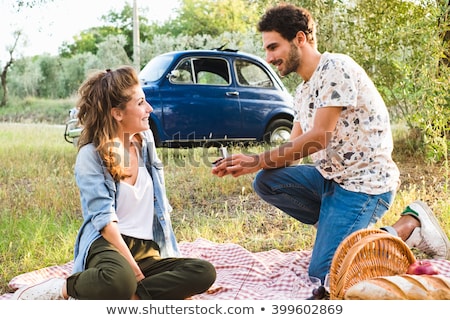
{"type": "Point", "coordinates": [36, 110]}
{"type": "Point", "coordinates": [39, 201]}
{"type": "Point", "coordinates": [40, 209]}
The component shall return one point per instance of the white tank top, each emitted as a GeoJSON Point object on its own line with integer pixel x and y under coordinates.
{"type": "Point", "coordinates": [135, 206]}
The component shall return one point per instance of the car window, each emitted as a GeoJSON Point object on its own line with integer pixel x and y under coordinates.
{"type": "Point", "coordinates": [182, 73]}
{"type": "Point", "coordinates": [251, 75]}
{"type": "Point", "coordinates": [206, 77]}
{"type": "Point", "coordinates": [155, 69]}
{"type": "Point", "coordinates": [207, 71]}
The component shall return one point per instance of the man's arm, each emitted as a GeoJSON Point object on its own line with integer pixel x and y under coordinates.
{"type": "Point", "coordinates": [300, 146]}
{"type": "Point", "coordinates": [305, 144]}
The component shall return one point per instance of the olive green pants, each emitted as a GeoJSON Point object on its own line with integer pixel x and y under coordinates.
{"type": "Point", "coordinates": [109, 276]}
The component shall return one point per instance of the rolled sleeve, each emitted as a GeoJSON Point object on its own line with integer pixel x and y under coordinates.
{"type": "Point", "coordinates": [97, 195]}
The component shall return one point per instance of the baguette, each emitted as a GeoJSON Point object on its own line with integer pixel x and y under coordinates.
{"type": "Point", "coordinates": [401, 287]}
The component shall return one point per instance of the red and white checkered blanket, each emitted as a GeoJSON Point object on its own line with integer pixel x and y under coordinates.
{"type": "Point", "coordinates": [268, 275]}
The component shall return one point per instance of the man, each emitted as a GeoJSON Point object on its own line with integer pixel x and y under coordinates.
{"type": "Point", "coordinates": [343, 125]}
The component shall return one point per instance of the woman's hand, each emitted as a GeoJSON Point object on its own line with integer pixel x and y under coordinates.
{"type": "Point", "coordinates": [112, 234]}
{"type": "Point", "coordinates": [140, 276]}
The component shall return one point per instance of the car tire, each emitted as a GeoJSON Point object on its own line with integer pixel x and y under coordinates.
{"type": "Point", "coordinates": [155, 133]}
{"type": "Point", "coordinates": [278, 131]}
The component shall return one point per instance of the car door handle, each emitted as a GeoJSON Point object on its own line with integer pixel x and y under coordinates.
{"type": "Point", "coordinates": [232, 93]}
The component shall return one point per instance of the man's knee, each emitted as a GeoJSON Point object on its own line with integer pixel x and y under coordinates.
{"type": "Point", "coordinates": [259, 183]}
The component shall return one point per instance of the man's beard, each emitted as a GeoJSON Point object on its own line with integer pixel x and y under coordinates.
{"type": "Point", "coordinates": [293, 61]}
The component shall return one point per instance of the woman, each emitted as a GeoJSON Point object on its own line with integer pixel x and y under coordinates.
{"type": "Point", "coordinates": [126, 248]}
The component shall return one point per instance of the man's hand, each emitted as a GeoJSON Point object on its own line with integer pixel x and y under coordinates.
{"type": "Point", "coordinates": [237, 165]}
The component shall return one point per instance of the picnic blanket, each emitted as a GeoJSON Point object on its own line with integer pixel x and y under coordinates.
{"type": "Point", "coordinates": [241, 274]}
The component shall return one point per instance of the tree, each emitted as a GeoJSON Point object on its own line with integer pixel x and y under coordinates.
{"type": "Point", "coordinates": [401, 46]}
{"type": "Point", "coordinates": [18, 5]}
{"type": "Point", "coordinates": [24, 78]}
{"type": "Point", "coordinates": [87, 41]}
{"type": "Point", "coordinates": [8, 64]}
{"type": "Point", "coordinates": [111, 52]}
{"type": "Point", "coordinates": [116, 23]}
{"type": "Point", "coordinates": [212, 17]}
{"type": "Point", "coordinates": [29, 3]}
{"type": "Point", "coordinates": [49, 82]}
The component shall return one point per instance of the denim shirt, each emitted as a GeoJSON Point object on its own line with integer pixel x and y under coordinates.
{"type": "Point", "coordinates": [98, 194]}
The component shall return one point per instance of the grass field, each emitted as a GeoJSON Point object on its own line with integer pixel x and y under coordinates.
{"type": "Point", "coordinates": [40, 210]}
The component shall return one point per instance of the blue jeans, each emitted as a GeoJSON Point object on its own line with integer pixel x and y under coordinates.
{"type": "Point", "coordinates": [303, 193]}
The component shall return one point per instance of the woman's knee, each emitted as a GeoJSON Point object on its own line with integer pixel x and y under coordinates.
{"type": "Point", "coordinates": [100, 284]}
{"type": "Point", "coordinates": [117, 289]}
{"type": "Point", "coordinates": [119, 284]}
{"type": "Point", "coordinates": [204, 274]}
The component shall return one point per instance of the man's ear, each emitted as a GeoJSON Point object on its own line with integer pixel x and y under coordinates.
{"type": "Point", "coordinates": [116, 113]}
{"type": "Point", "coordinates": [300, 38]}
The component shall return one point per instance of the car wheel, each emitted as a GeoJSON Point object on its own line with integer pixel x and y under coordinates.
{"type": "Point", "coordinates": [155, 133]}
{"type": "Point", "coordinates": [278, 131]}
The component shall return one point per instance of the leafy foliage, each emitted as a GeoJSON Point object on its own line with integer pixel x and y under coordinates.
{"type": "Point", "coordinates": [213, 17]}
{"type": "Point", "coordinates": [87, 41]}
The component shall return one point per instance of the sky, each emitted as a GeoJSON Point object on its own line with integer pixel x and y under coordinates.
{"type": "Point", "coordinates": [46, 27]}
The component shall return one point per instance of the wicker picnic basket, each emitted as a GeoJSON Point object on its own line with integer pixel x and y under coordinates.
{"type": "Point", "coordinates": [366, 254]}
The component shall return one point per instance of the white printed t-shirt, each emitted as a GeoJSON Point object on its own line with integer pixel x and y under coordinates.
{"type": "Point", "coordinates": [358, 156]}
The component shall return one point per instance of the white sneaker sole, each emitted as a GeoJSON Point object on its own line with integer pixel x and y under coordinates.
{"type": "Point", "coordinates": [20, 292]}
{"type": "Point", "coordinates": [435, 223]}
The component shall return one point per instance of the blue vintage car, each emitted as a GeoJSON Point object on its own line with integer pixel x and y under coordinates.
{"type": "Point", "coordinates": [214, 97]}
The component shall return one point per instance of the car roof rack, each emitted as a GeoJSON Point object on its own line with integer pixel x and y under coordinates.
{"type": "Point", "coordinates": [222, 48]}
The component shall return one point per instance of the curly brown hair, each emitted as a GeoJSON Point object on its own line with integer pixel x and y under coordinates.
{"type": "Point", "coordinates": [288, 20]}
{"type": "Point", "coordinates": [98, 94]}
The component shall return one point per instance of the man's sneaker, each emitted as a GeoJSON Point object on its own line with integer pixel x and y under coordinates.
{"type": "Point", "coordinates": [48, 290]}
{"type": "Point", "coordinates": [429, 237]}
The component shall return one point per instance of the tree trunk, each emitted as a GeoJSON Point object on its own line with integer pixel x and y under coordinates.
{"type": "Point", "coordinates": [8, 64]}
{"type": "Point", "coordinates": [3, 80]}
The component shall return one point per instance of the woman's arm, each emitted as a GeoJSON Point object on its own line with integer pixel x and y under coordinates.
{"type": "Point", "coordinates": [112, 234]}
{"type": "Point", "coordinates": [97, 191]}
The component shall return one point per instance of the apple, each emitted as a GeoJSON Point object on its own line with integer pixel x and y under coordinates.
{"type": "Point", "coordinates": [422, 267]}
